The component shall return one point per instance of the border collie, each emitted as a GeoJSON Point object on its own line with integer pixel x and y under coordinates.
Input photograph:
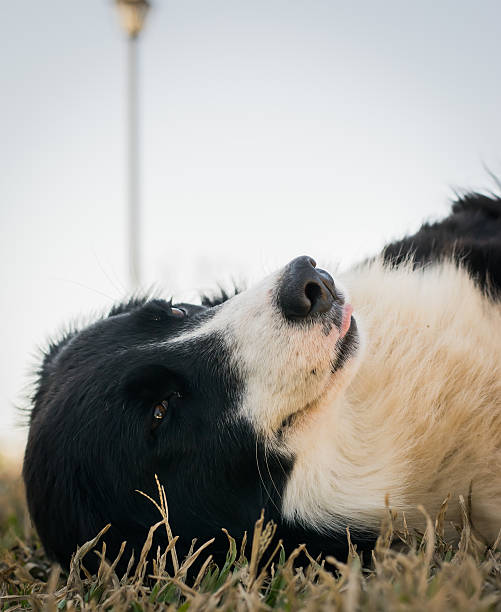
{"type": "Point", "coordinates": [316, 399]}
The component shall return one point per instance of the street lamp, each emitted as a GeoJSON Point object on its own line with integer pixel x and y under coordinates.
{"type": "Point", "coordinates": [132, 15]}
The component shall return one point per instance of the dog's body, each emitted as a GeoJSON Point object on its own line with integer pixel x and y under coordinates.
{"type": "Point", "coordinates": [275, 399]}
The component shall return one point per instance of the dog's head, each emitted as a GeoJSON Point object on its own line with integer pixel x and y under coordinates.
{"type": "Point", "coordinates": [211, 398]}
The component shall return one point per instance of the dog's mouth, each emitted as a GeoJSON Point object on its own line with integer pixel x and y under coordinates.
{"type": "Point", "coordinates": [346, 347]}
{"type": "Point", "coordinates": [340, 320]}
{"type": "Point", "coordinates": [346, 321]}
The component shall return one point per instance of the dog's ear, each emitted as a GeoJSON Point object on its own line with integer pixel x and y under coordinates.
{"type": "Point", "coordinates": [132, 304]}
{"type": "Point", "coordinates": [220, 296]}
{"type": "Point", "coordinates": [50, 354]}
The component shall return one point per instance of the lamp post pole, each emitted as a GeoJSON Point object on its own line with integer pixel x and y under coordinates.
{"type": "Point", "coordinates": [134, 229]}
{"type": "Point", "coordinates": [133, 14]}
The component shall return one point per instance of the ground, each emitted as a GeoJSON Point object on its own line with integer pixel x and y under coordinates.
{"type": "Point", "coordinates": [421, 572]}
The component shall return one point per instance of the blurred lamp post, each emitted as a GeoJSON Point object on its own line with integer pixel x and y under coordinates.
{"type": "Point", "coordinates": [132, 15]}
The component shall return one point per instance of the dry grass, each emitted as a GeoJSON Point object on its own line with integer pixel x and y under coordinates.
{"type": "Point", "coordinates": [422, 573]}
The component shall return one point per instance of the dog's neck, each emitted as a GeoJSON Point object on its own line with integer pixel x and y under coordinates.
{"type": "Point", "coordinates": [334, 442]}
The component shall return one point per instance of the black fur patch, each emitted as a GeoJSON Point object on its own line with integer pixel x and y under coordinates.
{"type": "Point", "coordinates": [470, 236]}
{"type": "Point", "coordinates": [92, 445]}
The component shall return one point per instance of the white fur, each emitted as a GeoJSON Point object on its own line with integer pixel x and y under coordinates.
{"type": "Point", "coordinates": [421, 418]}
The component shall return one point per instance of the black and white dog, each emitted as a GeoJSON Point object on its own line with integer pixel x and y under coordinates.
{"type": "Point", "coordinates": [289, 396]}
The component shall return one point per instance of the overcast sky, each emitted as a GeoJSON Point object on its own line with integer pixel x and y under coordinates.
{"type": "Point", "coordinates": [269, 129]}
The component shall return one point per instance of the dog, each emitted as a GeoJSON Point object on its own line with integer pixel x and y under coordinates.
{"type": "Point", "coordinates": [319, 400]}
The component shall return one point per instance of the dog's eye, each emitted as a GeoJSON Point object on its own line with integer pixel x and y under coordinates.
{"type": "Point", "coordinates": [160, 410]}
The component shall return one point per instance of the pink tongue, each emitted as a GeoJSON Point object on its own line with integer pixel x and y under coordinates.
{"type": "Point", "coordinates": [345, 325]}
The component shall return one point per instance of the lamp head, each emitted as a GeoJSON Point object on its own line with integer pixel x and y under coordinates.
{"type": "Point", "coordinates": [132, 15]}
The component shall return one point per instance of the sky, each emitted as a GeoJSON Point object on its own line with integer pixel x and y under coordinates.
{"type": "Point", "coordinates": [268, 129]}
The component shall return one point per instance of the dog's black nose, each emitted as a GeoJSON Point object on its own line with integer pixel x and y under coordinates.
{"type": "Point", "coordinates": [304, 290]}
